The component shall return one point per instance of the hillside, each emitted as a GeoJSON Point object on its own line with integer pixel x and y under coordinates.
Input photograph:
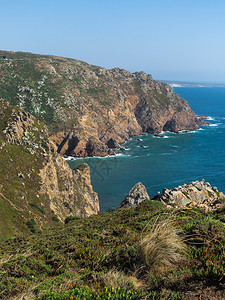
{"type": "Point", "coordinates": [145, 252]}
{"type": "Point", "coordinates": [84, 106]}
{"type": "Point", "coordinates": [37, 187]}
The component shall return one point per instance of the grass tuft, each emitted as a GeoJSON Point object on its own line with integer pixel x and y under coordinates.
{"type": "Point", "coordinates": [162, 247]}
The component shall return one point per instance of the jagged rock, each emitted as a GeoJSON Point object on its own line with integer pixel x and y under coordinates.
{"type": "Point", "coordinates": [95, 147]}
{"type": "Point", "coordinates": [113, 144]}
{"type": "Point", "coordinates": [201, 120]}
{"type": "Point", "coordinates": [112, 152]}
{"type": "Point", "coordinates": [196, 193]}
{"type": "Point", "coordinates": [159, 135]}
{"type": "Point", "coordinates": [136, 195]}
{"type": "Point", "coordinates": [36, 182]}
{"type": "Point", "coordinates": [62, 184]}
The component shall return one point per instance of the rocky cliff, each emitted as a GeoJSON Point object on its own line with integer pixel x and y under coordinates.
{"type": "Point", "coordinates": [85, 106]}
{"type": "Point", "coordinates": [195, 193]}
{"type": "Point", "coordinates": [37, 187]}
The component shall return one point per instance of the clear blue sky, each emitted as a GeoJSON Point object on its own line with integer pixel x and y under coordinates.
{"type": "Point", "coordinates": [170, 39]}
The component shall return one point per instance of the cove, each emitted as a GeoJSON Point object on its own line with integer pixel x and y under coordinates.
{"type": "Point", "coordinates": [166, 162]}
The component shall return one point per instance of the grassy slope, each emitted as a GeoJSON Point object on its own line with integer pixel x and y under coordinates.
{"type": "Point", "coordinates": [49, 95]}
{"type": "Point", "coordinates": [99, 257]}
{"type": "Point", "coordinates": [18, 196]}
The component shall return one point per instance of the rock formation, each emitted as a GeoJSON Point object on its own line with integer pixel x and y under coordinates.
{"type": "Point", "coordinates": [86, 107]}
{"type": "Point", "coordinates": [70, 191]}
{"type": "Point", "coordinates": [37, 186]}
{"type": "Point", "coordinates": [136, 195]}
{"type": "Point", "coordinates": [196, 193]}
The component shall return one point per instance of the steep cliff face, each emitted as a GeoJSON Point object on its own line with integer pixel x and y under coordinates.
{"type": "Point", "coordinates": [37, 187]}
{"type": "Point", "coordinates": [70, 191]}
{"type": "Point", "coordinates": [85, 106]}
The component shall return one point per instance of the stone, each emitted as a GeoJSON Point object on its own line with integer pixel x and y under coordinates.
{"type": "Point", "coordinates": [113, 144]}
{"type": "Point", "coordinates": [112, 152]}
{"type": "Point", "coordinates": [94, 147]}
{"type": "Point", "coordinates": [159, 135]}
{"type": "Point", "coordinates": [196, 193]}
{"type": "Point", "coordinates": [136, 195]}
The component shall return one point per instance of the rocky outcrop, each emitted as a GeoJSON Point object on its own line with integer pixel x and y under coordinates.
{"type": "Point", "coordinates": [196, 193]}
{"type": "Point", "coordinates": [37, 186]}
{"type": "Point", "coordinates": [136, 195]}
{"type": "Point", "coordinates": [86, 106]}
{"type": "Point", "coordinates": [70, 191]}
{"type": "Point", "coordinates": [112, 144]}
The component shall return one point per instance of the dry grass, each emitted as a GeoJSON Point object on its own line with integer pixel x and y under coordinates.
{"type": "Point", "coordinates": [162, 247]}
{"type": "Point", "coordinates": [8, 257]}
{"type": "Point", "coordinates": [117, 279]}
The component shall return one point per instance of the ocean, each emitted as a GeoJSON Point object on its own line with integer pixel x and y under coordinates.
{"type": "Point", "coordinates": [166, 162]}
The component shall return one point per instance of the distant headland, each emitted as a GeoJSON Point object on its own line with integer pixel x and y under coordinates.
{"type": "Point", "coordinates": [174, 83]}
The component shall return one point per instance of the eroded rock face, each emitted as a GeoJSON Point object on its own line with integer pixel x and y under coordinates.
{"type": "Point", "coordinates": [196, 193]}
{"type": "Point", "coordinates": [136, 195]}
{"type": "Point", "coordinates": [36, 183]}
{"type": "Point", "coordinates": [112, 144]}
{"type": "Point", "coordinates": [82, 103]}
{"type": "Point", "coordinates": [70, 191]}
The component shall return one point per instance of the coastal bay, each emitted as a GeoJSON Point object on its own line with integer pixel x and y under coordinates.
{"type": "Point", "coordinates": [169, 161]}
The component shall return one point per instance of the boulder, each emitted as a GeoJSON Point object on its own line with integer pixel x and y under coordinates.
{"type": "Point", "coordinates": [136, 195]}
{"type": "Point", "coordinates": [159, 135]}
{"type": "Point", "coordinates": [196, 193]}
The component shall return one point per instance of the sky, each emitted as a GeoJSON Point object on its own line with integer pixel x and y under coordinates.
{"type": "Point", "coordinates": [171, 39]}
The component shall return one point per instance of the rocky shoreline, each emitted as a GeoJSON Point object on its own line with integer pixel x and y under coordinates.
{"type": "Point", "coordinates": [85, 106]}
{"type": "Point", "coordinates": [194, 194]}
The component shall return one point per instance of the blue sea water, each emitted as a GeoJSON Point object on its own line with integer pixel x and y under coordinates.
{"type": "Point", "coordinates": [166, 162]}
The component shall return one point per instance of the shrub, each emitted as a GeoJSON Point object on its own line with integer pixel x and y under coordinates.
{"type": "Point", "coordinates": [71, 218]}
{"type": "Point", "coordinates": [31, 225]}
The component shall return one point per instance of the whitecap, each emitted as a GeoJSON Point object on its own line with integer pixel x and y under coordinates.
{"type": "Point", "coordinates": [73, 158]}
{"type": "Point", "coordinates": [210, 118]}
{"type": "Point", "coordinates": [161, 137]}
{"type": "Point", "coordinates": [214, 125]}
{"type": "Point", "coordinates": [118, 154]}
{"type": "Point", "coordinates": [187, 131]}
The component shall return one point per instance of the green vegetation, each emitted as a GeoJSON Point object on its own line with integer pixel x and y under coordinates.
{"type": "Point", "coordinates": [50, 88]}
{"type": "Point", "coordinates": [41, 209]}
{"type": "Point", "coordinates": [20, 164]}
{"type": "Point", "coordinates": [147, 252]}
{"type": "Point", "coordinates": [31, 225]}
